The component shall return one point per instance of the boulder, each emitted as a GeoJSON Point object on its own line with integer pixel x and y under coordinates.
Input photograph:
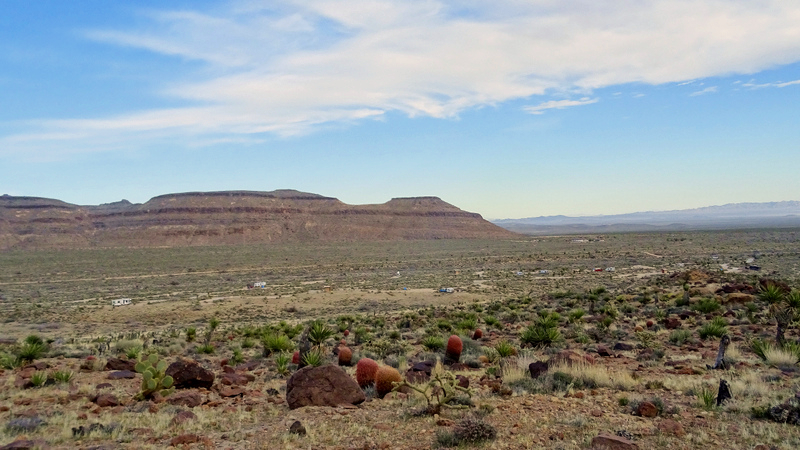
{"type": "Point", "coordinates": [647, 409]}
{"type": "Point", "coordinates": [189, 399]}
{"type": "Point", "coordinates": [326, 385]}
{"type": "Point", "coordinates": [104, 400]}
{"type": "Point", "coordinates": [605, 441]}
{"type": "Point", "coordinates": [538, 368]}
{"type": "Point", "coordinates": [121, 374]}
{"type": "Point", "coordinates": [190, 374]}
{"type": "Point", "coordinates": [602, 350]}
{"type": "Point", "coordinates": [622, 347]}
{"type": "Point", "coordinates": [236, 379]}
{"type": "Point", "coordinates": [672, 323]}
{"type": "Point", "coordinates": [121, 364]}
{"type": "Point", "coordinates": [20, 444]}
{"type": "Point", "coordinates": [420, 372]}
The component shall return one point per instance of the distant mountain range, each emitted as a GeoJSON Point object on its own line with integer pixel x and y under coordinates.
{"type": "Point", "coordinates": [730, 216]}
{"type": "Point", "coordinates": [231, 218]}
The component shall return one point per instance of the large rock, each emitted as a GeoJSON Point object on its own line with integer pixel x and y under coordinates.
{"type": "Point", "coordinates": [327, 385]}
{"type": "Point", "coordinates": [189, 399]}
{"type": "Point", "coordinates": [605, 441]}
{"type": "Point", "coordinates": [420, 372]}
{"type": "Point", "coordinates": [190, 374]}
{"type": "Point", "coordinates": [121, 364]}
{"type": "Point", "coordinates": [538, 368]}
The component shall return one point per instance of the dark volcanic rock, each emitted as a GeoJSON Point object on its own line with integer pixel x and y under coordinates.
{"type": "Point", "coordinates": [538, 368]}
{"type": "Point", "coordinates": [121, 375]}
{"type": "Point", "coordinates": [189, 399]}
{"type": "Point", "coordinates": [190, 374]}
{"type": "Point", "coordinates": [121, 364]}
{"type": "Point", "coordinates": [327, 385]}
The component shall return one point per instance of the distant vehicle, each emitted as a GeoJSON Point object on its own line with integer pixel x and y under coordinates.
{"type": "Point", "coordinates": [258, 284]}
{"type": "Point", "coordinates": [447, 290]}
{"type": "Point", "coordinates": [520, 274]}
{"type": "Point", "coordinates": [544, 272]}
{"type": "Point", "coordinates": [750, 260]}
{"type": "Point", "coordinates": [610, 269]}
{"type": "Point", "coordinates": [751, 267]}
{"type": "Point", "coordinates": [598, 269]}
{"type": "Point", "coordinates": [121, 302]}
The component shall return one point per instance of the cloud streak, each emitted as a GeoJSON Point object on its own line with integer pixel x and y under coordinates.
{"type": "Point", "coordinates": [558, 104]}
{"type": "Point", "coordinates": [287, 67]}
{"type": "Point", "coordinates": [708, 90]}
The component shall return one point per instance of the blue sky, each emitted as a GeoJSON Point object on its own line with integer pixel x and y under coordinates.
{"type": "Point", "coordinates": [507, 108]}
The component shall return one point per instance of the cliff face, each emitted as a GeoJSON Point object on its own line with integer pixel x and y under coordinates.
{"type": "Point", "coordinates": [229, 218]}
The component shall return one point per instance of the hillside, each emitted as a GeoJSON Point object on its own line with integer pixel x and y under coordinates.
{"type": "Point", "coordinates": [230, 218]}
{"type": "Point", "coordinates": [730, 216]}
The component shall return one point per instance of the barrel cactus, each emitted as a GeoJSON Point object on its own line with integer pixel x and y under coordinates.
{"type": "Point", "coordinates": [454, 347]}
{"type": "Point", "coordinates": [365, 372]}
{"type": "Point", "coordinates": [345, 356]}
{"type": "Point", "coordinates": [154, 378]}
{"type": "Point", "coordinates": [385, 379]}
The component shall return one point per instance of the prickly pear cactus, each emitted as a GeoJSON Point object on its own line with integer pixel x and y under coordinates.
{"type": "Point", "coordinates": [153, 377]}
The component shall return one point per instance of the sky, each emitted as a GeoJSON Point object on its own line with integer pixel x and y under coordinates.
{"type": "Point", "coordinates": [508, 108]}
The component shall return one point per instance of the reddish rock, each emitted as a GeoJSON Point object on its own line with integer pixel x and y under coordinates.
{"type": "Point", "coordinates": [20, 444]}
{"type": "Point", "coordinates": [189, 399]}
{"type": "Point", "coordinates": [228, 369]}
{"type": "Point", "coordinates": [23, 383]}
{"type": "Point", "coordinates": [231, 391]}
{"type": "Point", "coordinates": [186, 439]}
{"type": "Point", "coordinates": [670, 426]}
{"type": "Point", "coordinates": [189, 374]}
{"type": "Point", "coordinates": [182, 417]}
{"type": "Point", "coordinates": [120, 364]}
{"type": "Point", "coordinates": [326, 385]}
{"type": "Point", "coordinates": [647, 409]}
{"type": "Point", "coordinates": [602, 350]}
{"type": "Point", "coordinates": [605, 441]}
{"type": "Point", "coordinates": [237, 379]}
{"type": "Point", "coordinates": [105, 400]}
{"type": "Point", "coordinates": [672, 323]}
{"type": "Point", "coordinates": [570, 357]}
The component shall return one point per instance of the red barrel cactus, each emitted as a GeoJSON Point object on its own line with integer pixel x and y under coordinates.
{"type": "Point", "coordinates": [296, 357]}
{"type": "Point", "coordinates": [365, 372]}
{"type": "Point", "coordinates": [477, 334]}
{"type": "Point", "coordinates": [345, 356]}
{"type": "Point", "coordinates": [454, 347]}
{"type": "Point", "coordinates": [385, 378]}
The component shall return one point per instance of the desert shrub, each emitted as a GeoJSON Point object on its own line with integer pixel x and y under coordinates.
{"type": "Point", "coordinates": [433, 343]}
{"type": "Point", "coordinates": [576, 315]}
{"type": "Point", "coordinates": [505, 349]}
{"type": "Point", "coordinates": [444, 325]}
{"type": "Point", "coordinates": [492, 322]}
{"type": "Point", "coordinates": [313, 358]}
{"type": "Point", "coordinates": [30, 352]}
{"type": "Point", "coordinates": [276, 343]}
{"type": "Point", "coordinates": [537, 336]}
{"type": "Point", "coordinates": [706, 398]}
{"type": "Point", "coordinates": [8, 361]}
{"type": "Point", "coordinates": [591, 376]}
{"type": "Point", "coordinates": [716, 328]}
{"type": "Point", "coordinates": [39, 378]}
{"type": "Point", "coordinates": [191, 334]}
{"type": "Point", "coordinates": [318, 332]}
{"type": "Point", "coordinates": [205, 349]}
{"type": "Point", "coordinates": [34, 339]}
{"type": "Point", "coordinates": [780, 357]}
{"type": "Point", "coordinates": [133, 352]}
{"type": "Point", "coordinates": [237, 357]}
{"type": "Point", "coordinates": [707, 305]}
{"type": "Point", "coordinates": [467, 324]}
{"type": "Point", "coordinates": [63, 376]}
{"type": "Point", "coordinates": [467, 431]}
{"type": "Point", "coordinates": [248, 343]}
{"type": "Point", "coordinates": [282, 360]}
{"type": "Point", "coordinates": [678, 337]}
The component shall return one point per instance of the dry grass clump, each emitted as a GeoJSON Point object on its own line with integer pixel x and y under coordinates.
{"type": "Point", "coordinates": [779, 357]}
{"type": "Point", "coordinates": [596, 375]}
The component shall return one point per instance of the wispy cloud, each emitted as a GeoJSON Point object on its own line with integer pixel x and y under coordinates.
{"type": "Point", "coordinates": [558, 104]}
{"type": "Point", "coordinates": [708, 90]}
{"type": "Point", "coordinates": [286, 67]}
{"type": "Point", "coordinates": [753, 85]}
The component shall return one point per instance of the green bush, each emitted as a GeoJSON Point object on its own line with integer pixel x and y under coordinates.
{"type": "Point", "coordinates": [678, 337]}
{"type": "Point", "coordinates": [505, 349]}
{"type": "Point", "coordinates": [206, 349]}
{"type": "Point", "coordinates": [39, 379]}
{"type": "Point", "coordinates": [318, 333]}
{"type": "Point", "coordinates": [276, 343]}
{"type": "Point", "coordinates": [30, 352]}
{"type": "Point", "coordinates": [716, 328]}
{"type": "Point", "coordinates": [313, 358]}
{"type": "Point", "coordinates": [707, 305]}
{"type": "Point", "coordinates": [63, 376]}
{"type": "Point", "coordinates": [34, 339]}
{"type": "Point", "coordinates": [433, 343]}
{"type": "Point", "coordinates": [537, 335]}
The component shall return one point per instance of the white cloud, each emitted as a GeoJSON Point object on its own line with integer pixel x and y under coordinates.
{"type": "Point", "coordinates": [558, 104]}
{"type": "Point", "coordinates": [708, 90]}
{"type": "Point", "coordinates": [288, 66]}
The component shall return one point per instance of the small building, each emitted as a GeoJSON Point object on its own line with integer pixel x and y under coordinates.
{"type": "Point", "coordinates": [447, 290]}
{"type": "Point", "coordinates": [121, 302]}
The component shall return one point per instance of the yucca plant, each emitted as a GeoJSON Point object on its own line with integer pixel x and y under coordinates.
{"type": "Point", "coordinates": [313, 358]}
{"type": "Point", "coordinates": [505, 349]}
{"type": "Point", "coordinates": [39, 378]}
{"type": "Point", "coordinates": [206, 349]}
{"type": "Point", "coordinates": [191, 334]}
{"type": "Point", "coordinates": [237, 356]}
{"type": "Point", "coordinates": [133, 352]}
{"type": "Point", "coordinates": [716, 328]}
{"type": "Point", "coordinates": [34, 339]}
{"type": "Point", "coordinates": [707, 305]}
{"type": "Point", "coordinates": [63, 376]}
{"type": "Point", "coordinates": [771, 293]}
{"type": "Point", "coordinates": [318, 333]}
{"type": "Point", "coordinates": [30, 352]}
{"type": "Point", "coordinates": [282, 363]}
{"type": "Point", "coordinates": [276, 342]}
{"type": "Point", "coordinates": [537, 336]}
{"type": "Point", "coordinates": [433, 343]}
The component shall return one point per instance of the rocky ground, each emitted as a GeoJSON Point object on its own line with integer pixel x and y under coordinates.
{"type": "Point", "coordinates": [621, 371]}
